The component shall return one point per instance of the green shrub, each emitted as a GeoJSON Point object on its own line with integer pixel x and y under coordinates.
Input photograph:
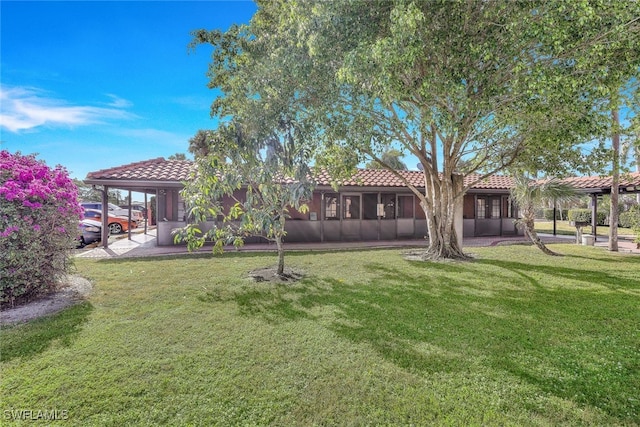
{"type": "Point", "coordinates": [39, 215]}
{"type": "Point", "coordinates": [539, 214]}
{"type": "Point", "coordinates": [630, 218]}
{"type": "Point", "coordinates": [584, 215]}
{"type": "Point", "coordinates": [548, 214]}
{"type": "Point", "coordinates": [580, 215]}
{"type": "Point", "coordinates": [601, 217]}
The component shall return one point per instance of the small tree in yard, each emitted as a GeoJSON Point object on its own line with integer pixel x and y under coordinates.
{"type": "Point", "coordinates": [528, 194]}
{"type": "Point", "coordinates": [262, 177]}
{"type": "Point", "coordinates": [39, 215]}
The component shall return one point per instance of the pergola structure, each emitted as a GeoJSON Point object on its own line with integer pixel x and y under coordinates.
{"type": "Point", "coordinates": [597, 186]}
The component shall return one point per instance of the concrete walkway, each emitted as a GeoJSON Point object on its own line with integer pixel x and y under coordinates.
{"type": "Point", "coordinates": [144, 245]}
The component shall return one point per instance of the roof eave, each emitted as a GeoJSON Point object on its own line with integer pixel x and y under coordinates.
{"type": "Point", "coordinates": [132, 184]}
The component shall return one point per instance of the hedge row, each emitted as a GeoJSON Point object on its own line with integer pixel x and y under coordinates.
{"type": "Point", "coordinates": [630, 218]}
{"type": "Point", "coordinates": [548, 214]}
{"type": "Point", "coordinates": [584, 215]}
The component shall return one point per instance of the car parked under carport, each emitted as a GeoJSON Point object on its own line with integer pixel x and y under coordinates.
{"type": "Point", "coordinates": [89, 231]}
{"type": "Point", "coordinates": [117, 224]}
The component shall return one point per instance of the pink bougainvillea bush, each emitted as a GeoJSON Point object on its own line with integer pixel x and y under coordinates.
{"type": "Point", "coordinates": [39, 215]}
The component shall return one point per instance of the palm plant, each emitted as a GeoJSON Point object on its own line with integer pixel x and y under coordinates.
{"type": "Point", "coordinates": [528, 194]}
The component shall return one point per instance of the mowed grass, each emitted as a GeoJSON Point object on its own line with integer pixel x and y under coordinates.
{"type": "Point", "coordinates": [563, 227]}
{"type": "Point", "coordinates": [367, 338]}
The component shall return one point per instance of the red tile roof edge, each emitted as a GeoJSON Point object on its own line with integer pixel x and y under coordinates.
{"type": "Point", "coordinates": [129, 166]}
{"type": "Point", "coordinates": [158, 170]}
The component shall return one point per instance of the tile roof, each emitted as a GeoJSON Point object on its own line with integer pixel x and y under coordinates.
{"type": "Point", "coordinates": [160, 169]}
{"type": "Point", "coordinates": [587, 182]}
{"type": "Point", "coordinates": [386, 178]}
{"type": "Point", "coordinates": [149, 170]}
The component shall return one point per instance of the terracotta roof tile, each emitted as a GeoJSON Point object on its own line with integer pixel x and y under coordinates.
{"type": "Point", "coordinates": [386, 178]}
{"type": "Point", "coordinates": [585, 182]}
{"type": "Point", "coordinates": [149, 170]}
{"type": "Point", "coordinates": [163, 170]}
{"type": "Point", "coordinates": [160, 169]}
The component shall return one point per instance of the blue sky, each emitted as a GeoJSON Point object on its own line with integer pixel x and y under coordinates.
{"type": "Point", "coordinates": [92, 85]}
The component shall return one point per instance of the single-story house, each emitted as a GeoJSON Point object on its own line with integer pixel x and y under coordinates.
{"type": "Point", "coordinates": [373, 205]}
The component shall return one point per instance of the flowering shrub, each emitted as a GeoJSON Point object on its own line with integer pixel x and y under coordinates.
{"type": "Point", "coordinates": [39, 215]}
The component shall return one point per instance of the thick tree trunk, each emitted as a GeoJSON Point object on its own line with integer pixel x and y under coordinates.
{"type": "Point", "coordinates": [445, 196]}
{"type": "Point", "coordinates": [615, 179]}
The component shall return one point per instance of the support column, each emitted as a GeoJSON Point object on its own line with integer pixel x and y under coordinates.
{"type": "Point", "coordinates": [105, 217]}
{"type": "Point", "coordinates": [146, 211]}
{"type": "Point", "coordinates": [594, 216]}
{"type": "Point", "coordinates": [129, 217]}
{"type": "Point", "coordinates": [378, 216]}
{"type": "Point", "coordinates": [475, 214]}
{"type": "Point", "coordinates": [554, 216]}
{"type": "Point", "coordinates": [322, 213]}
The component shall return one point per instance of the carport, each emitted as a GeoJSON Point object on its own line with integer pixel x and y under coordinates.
{"type": "Point", "coordinates": [159, 177]}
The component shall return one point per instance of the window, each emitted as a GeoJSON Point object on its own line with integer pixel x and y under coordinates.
{"type": "Point", "coordinates": [370, 206]}
{"type": "Point", "coordinates": [331, 206]}
{"type": "Point", "coordinates": [507, 207]}
{"type": "Point", "coordinates": [351, 207]}
{"type": "Point", "coordinates": [495, 208]}
{"type": "Point", "coordinates": [389, 205]}
{"type": "Point", "coordinates": [405, 206]}
{"type": "Point", "coordinates": [481, 209]}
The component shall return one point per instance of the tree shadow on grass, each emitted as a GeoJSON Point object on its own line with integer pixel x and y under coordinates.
{"type": "Point", "coordinates": [424, 319]}
{"type": "Point", "coordinates": [35, 337]}
{"type": "Point", "coordinates": [273, 302]}
{"type": "Point", "coordinates": [618, 258]}
{"type": "Point", "coordinates": [590, 276]}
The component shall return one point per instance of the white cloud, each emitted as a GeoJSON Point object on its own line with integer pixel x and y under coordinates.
{"type": "Point", "coordinates": [117, 102]}
{"type": "Point", "coordinates": [25, 108]}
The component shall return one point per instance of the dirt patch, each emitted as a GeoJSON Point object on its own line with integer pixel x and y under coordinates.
{"type": "Point", "coordinates": [268, 274]}
{"type": "Point", "coordinates": [72, 290]}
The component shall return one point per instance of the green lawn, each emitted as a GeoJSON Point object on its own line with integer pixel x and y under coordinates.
{"type": "Point", "coordinates": [563, 227]}
{"type": "Point", "coordinates": [511, 338]}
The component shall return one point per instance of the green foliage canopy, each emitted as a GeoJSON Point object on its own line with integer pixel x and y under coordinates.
{"type": "Point", "coordinates": [463, 86]}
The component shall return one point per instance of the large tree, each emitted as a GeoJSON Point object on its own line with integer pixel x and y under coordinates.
{"type": "Point", "coordinates": [450, 82]}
